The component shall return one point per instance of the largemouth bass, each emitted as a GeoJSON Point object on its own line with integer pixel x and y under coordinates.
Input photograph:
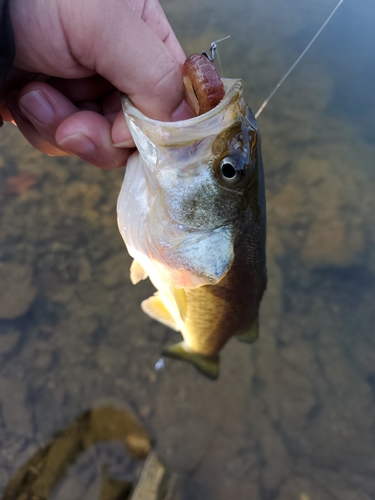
{"type": "Point", "coordinates": [192, 214]}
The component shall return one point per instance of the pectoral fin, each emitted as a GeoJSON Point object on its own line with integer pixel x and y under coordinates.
{"type": "Point", "coordinates": [154, 307]}
{"type": "Point", "coordinates": [250, 335]}
{"type": "Point", "coordinates": [137, 273]}
{"type": "Point", "coordinates": [180, 298]}
{"type": "Point", "coordinates": [207, 365]}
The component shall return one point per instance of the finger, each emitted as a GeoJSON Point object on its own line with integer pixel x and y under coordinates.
{"type": "Point", "coordinates": [91, 105]}
{"type": "Point", "coordinates": [88, 135]}
{"type": "Point", "coordinates": [123, 49]}
{"type": "Point", "coordinates": [5, 112]}
{"type": "Point", "coordinates": [82, 89]}
{"type": "Point", "coordinates": [83, 133]}
{"type": "Point", "coordinates": [45, 108]}
{"type": "Point", "coordinates": [111, 106]}
{"type": "Point", "coordinates": [154, 16]}
{"type": "Point", "coordinates": [121, 136]}
{"type": "Point", "coordinates": [29, 131]}
{"type": "Point", "coordinates": [15, 80]}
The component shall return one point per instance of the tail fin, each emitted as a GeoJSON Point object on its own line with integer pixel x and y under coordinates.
{"type": "Point", "coordinates": [207, 365]}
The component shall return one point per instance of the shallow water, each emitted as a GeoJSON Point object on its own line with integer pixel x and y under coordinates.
{"type": "Point", "coordinates": [292, 417]}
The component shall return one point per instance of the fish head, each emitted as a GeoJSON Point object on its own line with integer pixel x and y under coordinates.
{"type": "Point", "coordinates": [195, 177]}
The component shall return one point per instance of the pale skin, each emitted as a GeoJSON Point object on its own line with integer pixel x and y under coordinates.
{"type": "Point", "coordinates": [73, 58]}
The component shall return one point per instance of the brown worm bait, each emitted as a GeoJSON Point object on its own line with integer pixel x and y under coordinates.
{"type": "Point", "coordinates": [201, 77]}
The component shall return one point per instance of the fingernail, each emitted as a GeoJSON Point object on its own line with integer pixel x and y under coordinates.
{"type": "Point", "coordinates": [183, 112]}
{"type": "Point", "coordinates": [78, 144]}
{"type": "Point", "coordinates": [125, 144]}
{"type": "Point", "coordinates": [36, 106]}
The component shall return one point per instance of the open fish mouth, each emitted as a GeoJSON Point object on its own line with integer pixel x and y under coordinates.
{"type": "Point", "coordinates": [180, 133]}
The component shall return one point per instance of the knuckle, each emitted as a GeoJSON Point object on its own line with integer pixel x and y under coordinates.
{"type": "Point", "coordinates": [168, 77]}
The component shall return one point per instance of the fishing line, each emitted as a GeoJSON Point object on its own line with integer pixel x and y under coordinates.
{"type": "Point", "coordinates": [297, 61]}
{"type": "Point", "coordinates": [219, 63]}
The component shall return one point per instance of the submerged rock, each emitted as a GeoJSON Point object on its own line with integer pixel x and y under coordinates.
{"type": "Point", "coordinates": [16, 291]}
{"type": "Point", "coordinates": [332, 243]}
{"type": "Point", "coordinates": [315, 213]}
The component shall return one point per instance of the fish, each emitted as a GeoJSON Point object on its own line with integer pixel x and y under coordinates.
{"type": "Point", "coordinates": [192, 213]}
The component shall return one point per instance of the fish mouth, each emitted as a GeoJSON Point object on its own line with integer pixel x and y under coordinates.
{"type": "Point", "coordinates": [183, 132]}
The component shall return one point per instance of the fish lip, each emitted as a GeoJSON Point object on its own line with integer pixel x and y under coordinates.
{"type": "Point", "coordinates": [233, 87]}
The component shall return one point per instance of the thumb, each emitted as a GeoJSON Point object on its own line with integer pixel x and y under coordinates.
{"type": "Point", "coordinates": [110, 38]}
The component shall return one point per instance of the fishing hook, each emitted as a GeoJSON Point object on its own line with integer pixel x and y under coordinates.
{"type": "Point", "coordinates": [213, 47]}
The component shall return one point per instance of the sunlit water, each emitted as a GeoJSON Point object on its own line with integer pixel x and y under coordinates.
{"type": "Point", "coordinates": [292, 417]}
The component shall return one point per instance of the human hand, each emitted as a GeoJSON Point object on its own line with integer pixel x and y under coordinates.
{"type": "Point", "coordinates": [75, 58]}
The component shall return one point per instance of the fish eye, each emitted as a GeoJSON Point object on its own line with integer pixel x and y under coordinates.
{"type": "Point", "coordinates": [230, 172]}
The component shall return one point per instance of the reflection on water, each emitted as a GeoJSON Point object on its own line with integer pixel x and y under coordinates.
{"type": "Point", "coordinates": [291, 417]}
